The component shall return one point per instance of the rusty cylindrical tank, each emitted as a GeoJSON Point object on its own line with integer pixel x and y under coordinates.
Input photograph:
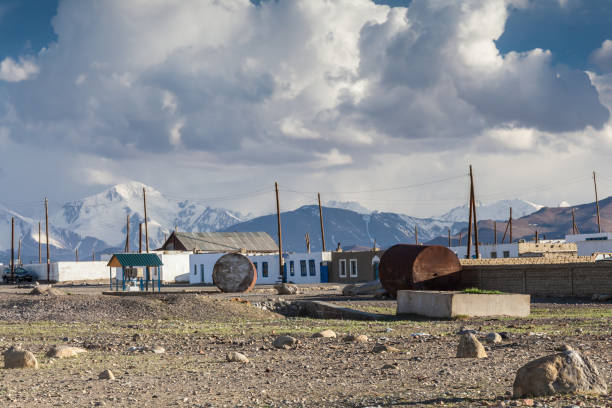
{"type": "Point", "coordinates": [419, 267]}
{"type": "Point", "coordinates": [234, 273]}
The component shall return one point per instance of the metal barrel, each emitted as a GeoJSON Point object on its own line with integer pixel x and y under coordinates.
{"type": "Point", "coordinates": [420, 267]}
{"type": "Point", "coordinates": [234, 273]}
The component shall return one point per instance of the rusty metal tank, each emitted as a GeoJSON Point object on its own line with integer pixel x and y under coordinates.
{"type": "Point", "coordinates": [234, 273]}
{"type": "Point", "coordinates": [419, 267]}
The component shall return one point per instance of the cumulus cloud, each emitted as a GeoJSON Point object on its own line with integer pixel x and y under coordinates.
{"type": "Point", "coordinates": [603, 56]}
{"type": "Point", "coordinates": [15, 71]}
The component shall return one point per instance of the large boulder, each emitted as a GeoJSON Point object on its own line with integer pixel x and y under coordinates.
{"type": "Point", "coordinates": [15, 357]}
{"type": "Point", "coordinates": [287, 289]}
{"type": "Point", "coordinates": [64, 351]}
{"type": "Point", "coordinates": [470, 347]}
{"type": "Point", "coordinates": [561, 373]}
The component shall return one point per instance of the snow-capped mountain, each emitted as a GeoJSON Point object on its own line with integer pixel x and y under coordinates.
{"type": "Point", "coordinates": [103, 215]}
{"type": "Point", "coordinates": [348, 205]}
{"type": "Point", "coordinates": [498, 210]}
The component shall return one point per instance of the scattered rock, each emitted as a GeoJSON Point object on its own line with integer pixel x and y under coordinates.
{"type": "Point", "coordinates": [330, 334]}
{"type": "Point", "coordinates": [373, 288]}
{"type": "Point", "coordinates": [106, 375]}
{"type": "Point", "coordinates": [46, 291]}
{"type": "Point", "coordinates": [158, 349]}
{"type": "Point", "coordinates": [493, 338]}
{"type": "Point", "coordinates": [234, 356]}
{"type": "Point", "coordinates": [287, 289]}
{"type": "Point", "coordinates": [64, 351]}
{"type": "Point", "coordinates": [564, 347]}
{"type": "Point", "coordinates": [470, 347]}
{"type": "Point", "coordinates": [285, 342]}
{"type": "Point", "coordinates": [136, 337]}
{"type": "Point", "coordinates": [561, 373]}
{"type": "Point", "coordinates": [360, 338]}
{"type": "Point", "coordinates": [390, 367]}
{"type": "Point", "coordinates": [15, 357]}
{"type": "Point", "coordinates": [383, 348]}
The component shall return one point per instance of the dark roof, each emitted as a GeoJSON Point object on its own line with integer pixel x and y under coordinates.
{"type": "Point", "coordinates": [223, 241]}
{"type": "Point", "coordinates": [135, 260]}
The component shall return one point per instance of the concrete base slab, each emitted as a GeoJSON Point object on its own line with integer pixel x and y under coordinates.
{"type": "Point", "coordinates": [450, 304]}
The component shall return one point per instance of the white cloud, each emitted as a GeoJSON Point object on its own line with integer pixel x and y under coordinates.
{"type": "Point", "coordinates": [603, 56]}
{"type": "Point", "coordinates": [15, 71]}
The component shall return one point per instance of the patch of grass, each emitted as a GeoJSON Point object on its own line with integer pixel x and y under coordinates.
{"type": "Point", "coordinates": [481, 291]}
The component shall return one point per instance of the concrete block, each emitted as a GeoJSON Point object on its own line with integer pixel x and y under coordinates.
{"type": "Point", "coordinates": [449, 304]}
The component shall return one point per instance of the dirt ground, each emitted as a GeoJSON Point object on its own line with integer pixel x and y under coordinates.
{"type": "Point", "coordinates": [198, 330]}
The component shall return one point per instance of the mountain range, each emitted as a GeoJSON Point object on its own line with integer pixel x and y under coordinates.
{"type": "Point", "coordinates": [98, 223]}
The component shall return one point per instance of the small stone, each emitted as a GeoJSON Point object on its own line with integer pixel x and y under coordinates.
{"type": "Point", "coordinates": [360, 338]}
{"type": "Point", "coordinates": [158, 350]}
{"type": "Point", "coordinates": [234, 356]}
{"type": "Point", "coordinates": [106, 375]}
{"type": "Point", "coordinates": [470, 347]}
{"type": "Point", "coordinates": [15, 357]}
{"type": "Point", "coordinates": [528, 402]}
{"type": "Point", "coordinates": [383, 348]}
{"type": "Point", "coordinates": [64, 351]}
{"type": "Point", "coordinates": [136, 337]}
{"type": "Point", "coordinates": [390, 367]}
{"type": "Point", "coordinates": [287, 289]}
{"type": "Point", "coordinates": [285, 342]}
{"type": "Point", "coordinates": [493, 338]}
{"type": "Point", "coordinates": [330, 334]}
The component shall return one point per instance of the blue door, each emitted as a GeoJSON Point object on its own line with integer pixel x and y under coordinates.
{"type": "Point", "coordinates": [324, 272]}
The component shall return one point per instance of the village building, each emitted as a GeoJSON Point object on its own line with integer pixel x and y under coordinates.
{"type": "Point", "coordinates": [356, 265]}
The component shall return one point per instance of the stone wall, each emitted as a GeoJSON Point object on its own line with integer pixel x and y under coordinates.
{"type": "Point", "coordinates": [551, 279]}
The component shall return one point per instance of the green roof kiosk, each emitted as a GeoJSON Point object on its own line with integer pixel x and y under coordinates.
{"type": "Point", "coordinates": [135, 271]}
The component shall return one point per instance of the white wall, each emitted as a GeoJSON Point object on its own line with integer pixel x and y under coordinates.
{"type": "Point", "coordinates": [176, 267]}
{"type": "Point", "coordinates": [603, 236]}
{"type": "Point", "coordinates": [587, 248]}
{"type": "Point", "coordinates": [70, 271]}
{"type": "Point", "coordinates": [196, 261]}
{"type": "Point", "coordinates": [486, 250]}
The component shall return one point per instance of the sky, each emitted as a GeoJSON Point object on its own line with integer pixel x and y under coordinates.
{"type": "Point", "coordinates": [385, 103]}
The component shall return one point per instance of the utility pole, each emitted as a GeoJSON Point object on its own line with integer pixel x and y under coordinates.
{"type": "Point", "coordinates": [140, 238]}
{"type": "Point", "coordinates": [127, 233]}
{"type": "Point", "coordinates": [495, 232]}
{"type": "Point", "coordinates": [321, 219]}
{"type": "Point", "coordinates": [307, 242]}
{"type": "Point", "coordinates": [416, 234]}
{"type": "Point", "coordinates": [469, 237]}
{"type": "Point", "coordinates": [144, 197]}
{"type": "Point", "coordinates": [536, 236]}
{"type": "Point", "coordinates": [39, 245]}
{"type": "Point", "coordinates": [19, 252]}
{"type": "Point", "coordinates": [449, 238]}
{"type": "Point", "coordinates": [574, 226]}
{"type": "Point", "coordinates": [280, 236]}
{"type": "Point", "coordinates": [47, 234]}
{"type": "Point", "coordinates": [12, 249]}
{"type": "Point", "coordinates": [476, 252]}
{"type": "Point", "coordinates": [93, 255]}
{"type": "Point", "coordinates": [76, 254]}
{"type": "Point", "coordinates": [510, 224]}
{"type": "Point", "coordinates": [596, 203]}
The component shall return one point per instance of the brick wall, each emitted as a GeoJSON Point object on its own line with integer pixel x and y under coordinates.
{"type": "Point", "coordinates": [551, 279]}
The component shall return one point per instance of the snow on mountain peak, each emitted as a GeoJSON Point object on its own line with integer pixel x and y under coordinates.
{"type": "Point", "coordinates": [498, 210]}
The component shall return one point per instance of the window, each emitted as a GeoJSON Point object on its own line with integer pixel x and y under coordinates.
{"type": "Point", "coordinates": [311, 267]}
{"type": "Point", "coordinates": [255, 265]}
{"type": "Point", "coordinates": [493, 254]}
{"type": "Point", "coordinates": [506, 254]}
{"type": "Point", "coordinates": [195, 269]}
{"type": "Point", "coordinates": [291, 268]}
{"type": "Point", "coordinates": [303, 267]}
{"type": "Point", "coordinates": [597, 239]}
{"type": "Point", "coordinates": [353, 268]}
{"type": "Point", "coordinates": [264, 269]}
{"type": "Point", "coordinates": [342, 268]}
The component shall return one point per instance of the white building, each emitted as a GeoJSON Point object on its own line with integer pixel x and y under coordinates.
{"type": "Point", "coordinates": [589, 244]}
{"type": "Point", "coordinates": [489, 251]}
{"type": "Point", "coordinates": [70, 271]}
{"type": "Point", "coordinates": [299, 267]}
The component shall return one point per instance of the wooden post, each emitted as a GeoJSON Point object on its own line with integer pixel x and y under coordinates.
{"type": "Point", "coordinates": [321, 220]}
{"type": "Point", "coordinates": [596, 203]}
{"type": "Point", "coordinates": [127, 233]}
{"type": "Point", "coordinates": [144, 197]}
{"type": "Point", "coordinates": [76, 255]}
{"type": "Point", "coordinates": [47, 234]}
{"type": "Point", "coordinates": [307, 237]}
{"type": "Point", "coordinates": [476, 251]}
{"type": "Point", "coordinates": [574, 226]}
{"type": "Point", "coordinates": [469, 237]}
{"type": "Point", "coordinates": [93, 255]}
{"type": "Point", "coordinates": [416, 234]}
{"type": "Point", "coordinates": [536, 236]}
{"type": "Point", "coordinates": [140, 238]}
{"type": "Point", "coordinates": [12, 248]}
{"type": "Point", "coordinates": [39, 245]}
{"type": "Point", "coordinates": [19, 252]}
{"type": "Point", "coordinates": [449, 238]}
{"type": "Point", "coordinates": [280, 236]}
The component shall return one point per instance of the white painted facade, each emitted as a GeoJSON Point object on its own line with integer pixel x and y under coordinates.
{"type": "Point", "coordinates": [175, 266]}
{"type": "Point", "coordinates": [70, 271]}
{"type": "Point", "coordinates": [301, 267]}
{"type": "Point", "coordinates": [489, 251]}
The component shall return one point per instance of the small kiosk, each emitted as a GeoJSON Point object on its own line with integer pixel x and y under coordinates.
{"type": "Point", "coordinates": [136, 272]}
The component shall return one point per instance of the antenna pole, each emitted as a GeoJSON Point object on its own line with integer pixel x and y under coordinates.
{"type": "Point", "coordinates": [280, 236]}
{"type": "Point", "coordinates": [47, 234]}
{"type": "Point", "coordinates": [12, 248]}
{"type": "Point", "coordinates": [321, 219]}
{"type": "Point", "coordinates": [596, 203]}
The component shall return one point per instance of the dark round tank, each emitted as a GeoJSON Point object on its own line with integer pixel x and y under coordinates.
{"type": "Point", "coordinates": [234, 273]}
{"type": "Point", "coordinates": [420, 267]}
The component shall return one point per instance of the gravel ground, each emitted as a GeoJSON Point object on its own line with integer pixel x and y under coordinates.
{"type": "Point", "coordinates": [197, 332]}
